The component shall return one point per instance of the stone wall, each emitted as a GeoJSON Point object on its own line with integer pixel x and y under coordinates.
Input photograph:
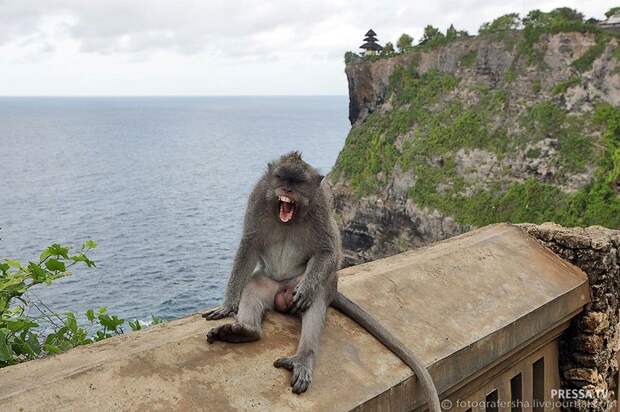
{"type": "Point", "coordinates": [588, 349]}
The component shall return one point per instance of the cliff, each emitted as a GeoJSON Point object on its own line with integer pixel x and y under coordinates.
{"type": "Point", "coordinates": [505, 126]}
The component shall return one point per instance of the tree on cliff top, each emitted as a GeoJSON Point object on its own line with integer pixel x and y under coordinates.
{"type": "Point", "coordinates": [506, 22]}
{"type": "Point", "coordinates": [612, 12]}
{"type": "Point", "coordinates": [404, 42]}
{"type": "Point", "coordinates": [556, 18]}
{"type": "Point", "coordinates": [452, 33]}
{"type": "Point", "coordinates": [388, 49]}
{"type": "Point", "coordinates": [432, 37]}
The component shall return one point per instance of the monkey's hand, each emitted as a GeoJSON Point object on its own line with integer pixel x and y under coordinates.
{"type": "Point", "coordinates": [303, 296]}
{"type": "Point", "coordinates": [220, 311]}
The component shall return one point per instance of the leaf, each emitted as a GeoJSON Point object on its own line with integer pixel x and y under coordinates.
{"type": "Point", "coordinates": [71, 322]}
{"type": "Point", "coordinates": [111, 322]}
{"type": "Point", "coordinates": [90, 315]}
{"type": "Point", "coordinates": [6, 353]}
{"type": "Point", "coordinates": [89, 244]}
{"type": "Point", "coordinates": [4, 267]}
{"type": "Point", "coordinates": [55, 265]}
{"type": "Point", "coordinates": [65, 345]}
{"type": "Point", "coordinates": [81, 257]}
{"type": "Point", "coordinates": [157, 320]}
{"type": "Point", "coordinates": [26, 345]}
{"type": "Point", "coordinates": [58, 250]}
{"type": "Point", "coordinates": [32, 341]}
{"type": "Point", "coordinates": [51, 348]}
{"type": "Point", "coordinates": [135, 325]}
{"type": "Point", "coordinates": [100, 336]}
{"type": "Point", "coordinates": [38, 274]}
{"type": "Point", "coordinates": [19, 324]}
{"type": "Point", "coordinates": [14, 263]}
{"type": "Point", "coordinates": [44, 255]}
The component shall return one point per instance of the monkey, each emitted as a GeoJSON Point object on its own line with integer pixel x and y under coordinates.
{"type": "Point", "coordinates": [286, 261]}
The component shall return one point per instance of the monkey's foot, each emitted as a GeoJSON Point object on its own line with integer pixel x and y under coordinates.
{"type": "Point", "coordinates": [233, 332]}
{"type": "Point", "coordinates": [218, 312]}
{"type": "Point", "coordinates": [301, 369]}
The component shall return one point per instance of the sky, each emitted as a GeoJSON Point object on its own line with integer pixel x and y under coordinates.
{"type": "Point", "coordinates": [215, 47]}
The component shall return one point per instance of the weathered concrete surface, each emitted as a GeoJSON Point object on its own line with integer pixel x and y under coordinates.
{"type": "Point", "coordinates": [459, 305]}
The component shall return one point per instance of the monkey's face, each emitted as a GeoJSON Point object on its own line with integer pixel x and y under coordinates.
{"type": "Point", "coordinates": [292, 189]}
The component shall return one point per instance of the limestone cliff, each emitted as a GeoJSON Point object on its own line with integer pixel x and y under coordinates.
{"type": "Point", "coordinates": [500, 127]}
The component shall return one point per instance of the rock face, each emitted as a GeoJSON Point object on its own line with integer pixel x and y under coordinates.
{"type": "Point", "coordinates": [588, 350]}
{"type": "Point", "coordinates": [475, 132]}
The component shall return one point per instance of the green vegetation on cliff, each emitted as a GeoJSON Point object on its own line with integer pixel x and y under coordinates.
{"type": "Point", "coordinates": [548, 163]}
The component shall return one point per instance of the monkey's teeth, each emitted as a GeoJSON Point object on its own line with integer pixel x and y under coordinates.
{"type": "Point", "coordinates": [285, 199]}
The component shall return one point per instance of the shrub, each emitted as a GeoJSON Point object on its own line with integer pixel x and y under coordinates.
{"type": "Point", "coordinates": [612, 12]}
{"type": "Point", "coordinates": [558, 20]}
{"type": "Point", "coordinates": [563, 86]}
{"type": "Point", "coordinates": [584, 63]}
{"type": "Point", "coordinates": [404, 42]}
{"type": "Point", "coordinates": [350, 57]}
{"type": "Point", "coordinates": [506, 22]}
{"type": "Point", "coordinates": [469, 58]}
{"type": "Point", "coordinates": [388, 49]}
{"type": "Point", "coordinates": [20, 337]}
{"type": "Point", "coordinates": [432, 37]}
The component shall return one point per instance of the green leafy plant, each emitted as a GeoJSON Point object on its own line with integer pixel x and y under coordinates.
{"type": "Point", "coordinates": [562, 86]}
{"type": "Point", "coordinates": [506, 22]}
{"type": "Point", "coordinates": [388, 49]}
{"type": "Point", "coordinates": [584, 63]}
{"type": "Point", "coordinates": [404, 42]}
{"type": "Point", "coordinates": [21, 337]}
{"type": "Point", "coordinates": [432, 37]}
{"type": "Point", "coordinates": [469, 58]}
{"type": "Point", "coordinates": [559, 20]}
{"type": "Point", "coordinates": [18, 339]}
{"type": "Point", "coordinates": [612, 12]}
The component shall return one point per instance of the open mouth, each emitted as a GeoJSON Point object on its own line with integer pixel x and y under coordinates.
{"type": "Point", "coordinates": [287, 208]}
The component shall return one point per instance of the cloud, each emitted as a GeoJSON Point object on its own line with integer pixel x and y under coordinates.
{"type": "Point", "coordinates": [311, 36]}
{"type": "Point", "coordinates": [185, 26]}
{"type": "Point", "coordinates": [227, 27]}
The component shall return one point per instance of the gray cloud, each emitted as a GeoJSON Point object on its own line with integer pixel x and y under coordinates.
{"type": "Point", "coordinates": [229, 28]}
{"type": "Point", "coordinates": [214, 46]}
{"type": "Point", "coordinates": [185, 26]}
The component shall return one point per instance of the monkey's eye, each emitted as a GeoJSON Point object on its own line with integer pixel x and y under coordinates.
{"type": "Point", "coordinates": [278, 176]}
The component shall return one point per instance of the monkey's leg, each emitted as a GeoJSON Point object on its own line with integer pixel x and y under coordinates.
{"type": "Point", "coordinates": [258, 296]}
{"type": "Point", "coordinates": [302, 363]}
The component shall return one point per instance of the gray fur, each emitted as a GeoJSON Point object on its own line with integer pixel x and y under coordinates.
{"type": "Point", "coordinates": [307, 251]}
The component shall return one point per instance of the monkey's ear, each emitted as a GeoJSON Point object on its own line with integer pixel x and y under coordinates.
{"type": "Point", "coordinates": [318, 179]}
{"type": "Point", "coordinates": [270, 167]}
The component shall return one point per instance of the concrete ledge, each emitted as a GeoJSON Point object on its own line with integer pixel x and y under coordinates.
{"type": "Point", "coordinates": [460, 305]}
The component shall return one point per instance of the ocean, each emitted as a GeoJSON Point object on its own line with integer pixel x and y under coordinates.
{"type": "Point", "coordinates": [159, 182]}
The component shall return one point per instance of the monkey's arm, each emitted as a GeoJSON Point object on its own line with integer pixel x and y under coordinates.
{"type": "Point", "coordinates": [243, 266]}
{"type": "Point", "coordinates": [374, 327]}
{"type": "Point", "coordinates": [318, 268]}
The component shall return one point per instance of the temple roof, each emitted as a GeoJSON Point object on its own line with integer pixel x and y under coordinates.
{"type": "Point", "coordinates": [371, 46]}
{"type": "Point", "coordinates": [370, 33]}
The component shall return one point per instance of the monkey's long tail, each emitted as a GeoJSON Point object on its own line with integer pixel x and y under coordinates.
{"type": "Point", "coordinates": [363, 318]}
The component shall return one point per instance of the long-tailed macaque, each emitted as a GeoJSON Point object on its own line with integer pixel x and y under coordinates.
{"type": "Point", "coordinates": [287, 261]}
